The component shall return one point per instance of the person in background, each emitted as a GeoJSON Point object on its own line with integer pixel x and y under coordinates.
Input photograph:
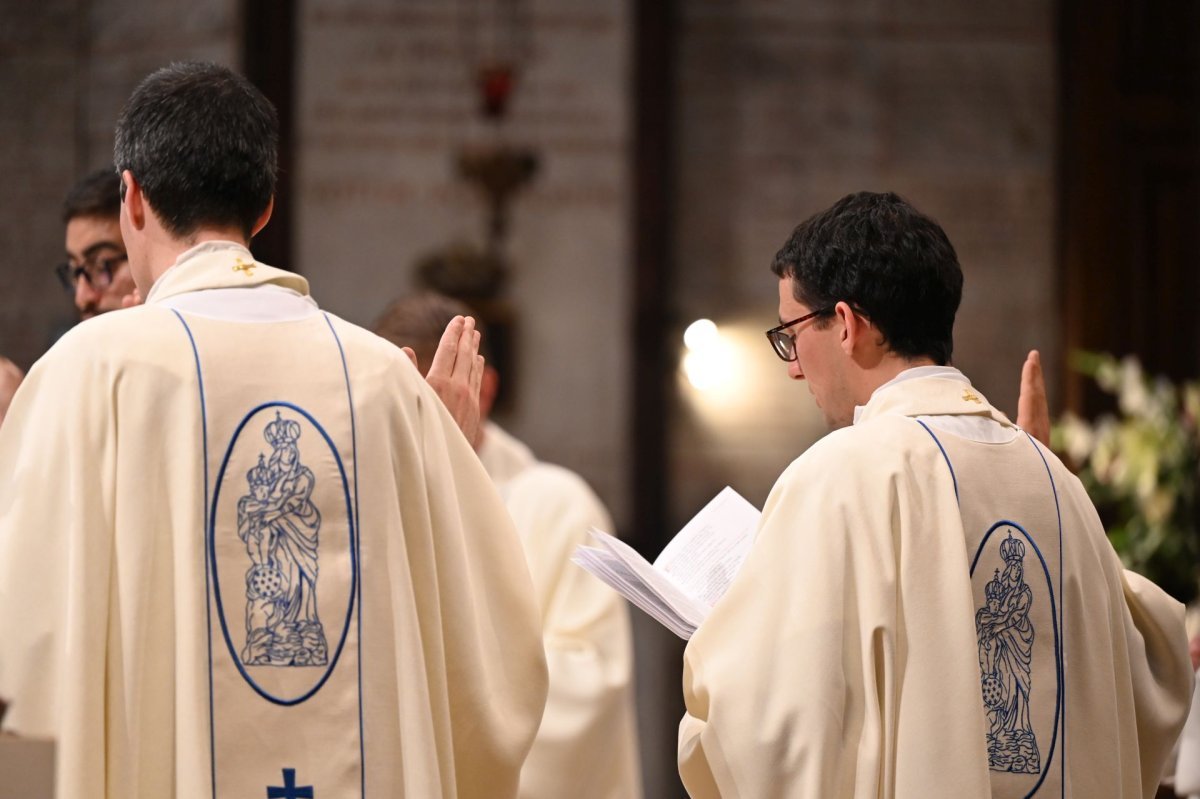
{"type": "Point", "coordinates": [96, 270]}
{"type": "Point", "coordinates": [586, 746]}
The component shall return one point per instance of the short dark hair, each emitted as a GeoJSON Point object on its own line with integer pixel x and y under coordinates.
{"type": "Point", "coordinates": [418, 321]}
{"type": "Point", "coordinates": [97, 193]}
{"type": "Point", "coordinates": [203, 144]}
{"type": "Point", "coordinates": [886, 259]}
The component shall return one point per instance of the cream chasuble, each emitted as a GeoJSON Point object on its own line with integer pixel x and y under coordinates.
{"type": "Point", "coordinates": [926, 615]}
{"type": "Point", "coordinates": [586, 747]}
{"type": "Point", "coordinates": [250, 558]}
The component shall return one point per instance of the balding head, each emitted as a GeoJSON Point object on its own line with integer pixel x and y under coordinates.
{"type": "Point", "coordinates": [418, 322]}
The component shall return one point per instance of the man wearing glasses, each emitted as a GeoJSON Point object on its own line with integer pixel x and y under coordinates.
{"type": "Point", "coordinates": [931, 607]}
{"type": "Point", "coordinates": [95, 273]}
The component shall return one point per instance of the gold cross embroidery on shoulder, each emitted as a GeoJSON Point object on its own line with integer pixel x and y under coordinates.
{"type": "Point", "coordinates": [970, 396]}
{"type": "Point", "coordinates": [245, 269]}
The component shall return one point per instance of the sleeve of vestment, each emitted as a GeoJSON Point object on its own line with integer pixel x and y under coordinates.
{"type": "Point", "coordinates": [1162, 676]}
{"type": "Point", "coordinates": [57, 469]}
{"type": "Point", "coordinates": [1150, 651]}
{"type": "Point", "coordinates": [485, 612]}
{"type": "Point", "coordinates": [1187, 767]}
{"type": "Point", "coordinates": [586, 745]}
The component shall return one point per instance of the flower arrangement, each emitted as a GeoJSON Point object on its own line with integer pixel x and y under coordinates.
{"type": "Point", "coordinates": [1141, 468]}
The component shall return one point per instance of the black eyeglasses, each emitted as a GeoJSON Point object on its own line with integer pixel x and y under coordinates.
{"type": "Point", "coordinates": [783, 343]}
{"type": "Point", "coordinates": [98, 272]}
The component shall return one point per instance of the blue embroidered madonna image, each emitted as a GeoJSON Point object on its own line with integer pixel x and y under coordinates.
{"type": "Point", "coordinates": [279, 524]}
{"type": "Point", "coordinates": [1005, 652]}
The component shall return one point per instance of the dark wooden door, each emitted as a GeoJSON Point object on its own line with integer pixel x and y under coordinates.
{"type": "Point", "coordinates": [1130, 183]}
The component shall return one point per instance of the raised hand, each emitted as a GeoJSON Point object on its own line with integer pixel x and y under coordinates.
{"type": "Point", "coordinates": [1033, 412]}
{"type": "Point", "coordinates": [457, 372]}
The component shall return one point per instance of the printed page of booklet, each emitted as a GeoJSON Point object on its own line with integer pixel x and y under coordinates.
{"type": "Point", "coordinates": [691, 573]}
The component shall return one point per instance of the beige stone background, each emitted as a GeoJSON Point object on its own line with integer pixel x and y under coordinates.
{"type": "Point", "coordinates": [780, 109]}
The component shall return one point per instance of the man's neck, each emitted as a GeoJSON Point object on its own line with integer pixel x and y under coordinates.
{"type": "Point", "coordinates": [885, 371]}
{"type": "Point", "coordinates": [165, 250]}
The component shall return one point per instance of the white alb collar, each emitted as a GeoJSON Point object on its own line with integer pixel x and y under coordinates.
{"type": "Point", "coordinates": [948, 372]}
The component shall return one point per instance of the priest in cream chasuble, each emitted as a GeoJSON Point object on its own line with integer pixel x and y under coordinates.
{"type": "Point", "coordinates": [950, 621]}
{"type": "Point", "coordinates": [244, 547]}
{"type": "Point", "coordinates": [931, 607]}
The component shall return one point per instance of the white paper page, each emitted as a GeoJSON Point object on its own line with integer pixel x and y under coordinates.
{"type": "Point", "coordinates": [689, 608]}
{"type": "Point", "coordinates": [704, 556]}
{"type": "Point", "coordinates": [609, 568]}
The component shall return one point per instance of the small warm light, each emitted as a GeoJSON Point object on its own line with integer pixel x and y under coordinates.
{"type": "Point", "coordinates": [709, 362]}
{"type": "Point", "coordinates": [701, 334]}
{"type": "Point", "coordinates": [706, 370]}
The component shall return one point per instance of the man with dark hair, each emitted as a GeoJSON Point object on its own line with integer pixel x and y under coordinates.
{"type": "Point", "coordinates": [888, 258]}
{"type": "Point", "coordinates": [586, 746]}
{"type": "Point", "coordinates": [95, 272]}
{"type": "Point", "coordinates": [245, 549]}
{"type": "Point", "coordinates": [931, 607]}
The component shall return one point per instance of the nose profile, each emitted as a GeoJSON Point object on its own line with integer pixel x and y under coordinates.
{"type": "Point", "coordinates": [794, 370]}
{"type": "Point", "coordinates": [86, 296]}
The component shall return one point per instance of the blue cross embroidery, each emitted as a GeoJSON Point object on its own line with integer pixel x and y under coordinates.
{"type": "Point", "coordinates": [289, 789]}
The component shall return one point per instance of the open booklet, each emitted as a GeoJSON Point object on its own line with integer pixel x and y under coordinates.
{"type": "Point", "coordinates": [691, 573]}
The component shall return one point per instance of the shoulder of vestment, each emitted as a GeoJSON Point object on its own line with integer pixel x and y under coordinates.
{"type": "Point", "coordinates": [878, 446]}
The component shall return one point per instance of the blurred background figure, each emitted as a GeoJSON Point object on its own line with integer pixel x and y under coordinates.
{"type": "Point", "coordinates": [586, 747]}
{"type": "Point", "coordinates": [10, 377]}
{"type": "Point", "coordinates": [96, 272]}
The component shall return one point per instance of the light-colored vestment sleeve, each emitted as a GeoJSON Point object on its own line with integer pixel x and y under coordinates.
{"type": "Point", "coordinates": [1187, 767]}
{"type": "Point", "coordinates": [586, 747]}
{"type": "Point", "coordinates": [58, 466]}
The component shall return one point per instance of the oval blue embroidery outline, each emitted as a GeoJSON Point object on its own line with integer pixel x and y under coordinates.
{"type": "Point", "coordinates": [1058, 701]}
{"type": "Point", "coordinates": [212, 554]}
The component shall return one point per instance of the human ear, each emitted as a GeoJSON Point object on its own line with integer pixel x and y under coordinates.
{"type": "Point", "coordinates": [853, 327]}
{"type": "Point", "coordinates": [264, 217]}
{"type": "Point", "coordinates": [132, 200]}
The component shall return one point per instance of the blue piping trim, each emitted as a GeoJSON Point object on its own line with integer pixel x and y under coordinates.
{"type": "Point", "coordinates": [1062, 654]}
{"type": "Point", "coordinates": [944, 455]}
{"type": "Point", "coordinates": [212, 741]}
{"type": "Point", "coordinates": [358, 545]}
